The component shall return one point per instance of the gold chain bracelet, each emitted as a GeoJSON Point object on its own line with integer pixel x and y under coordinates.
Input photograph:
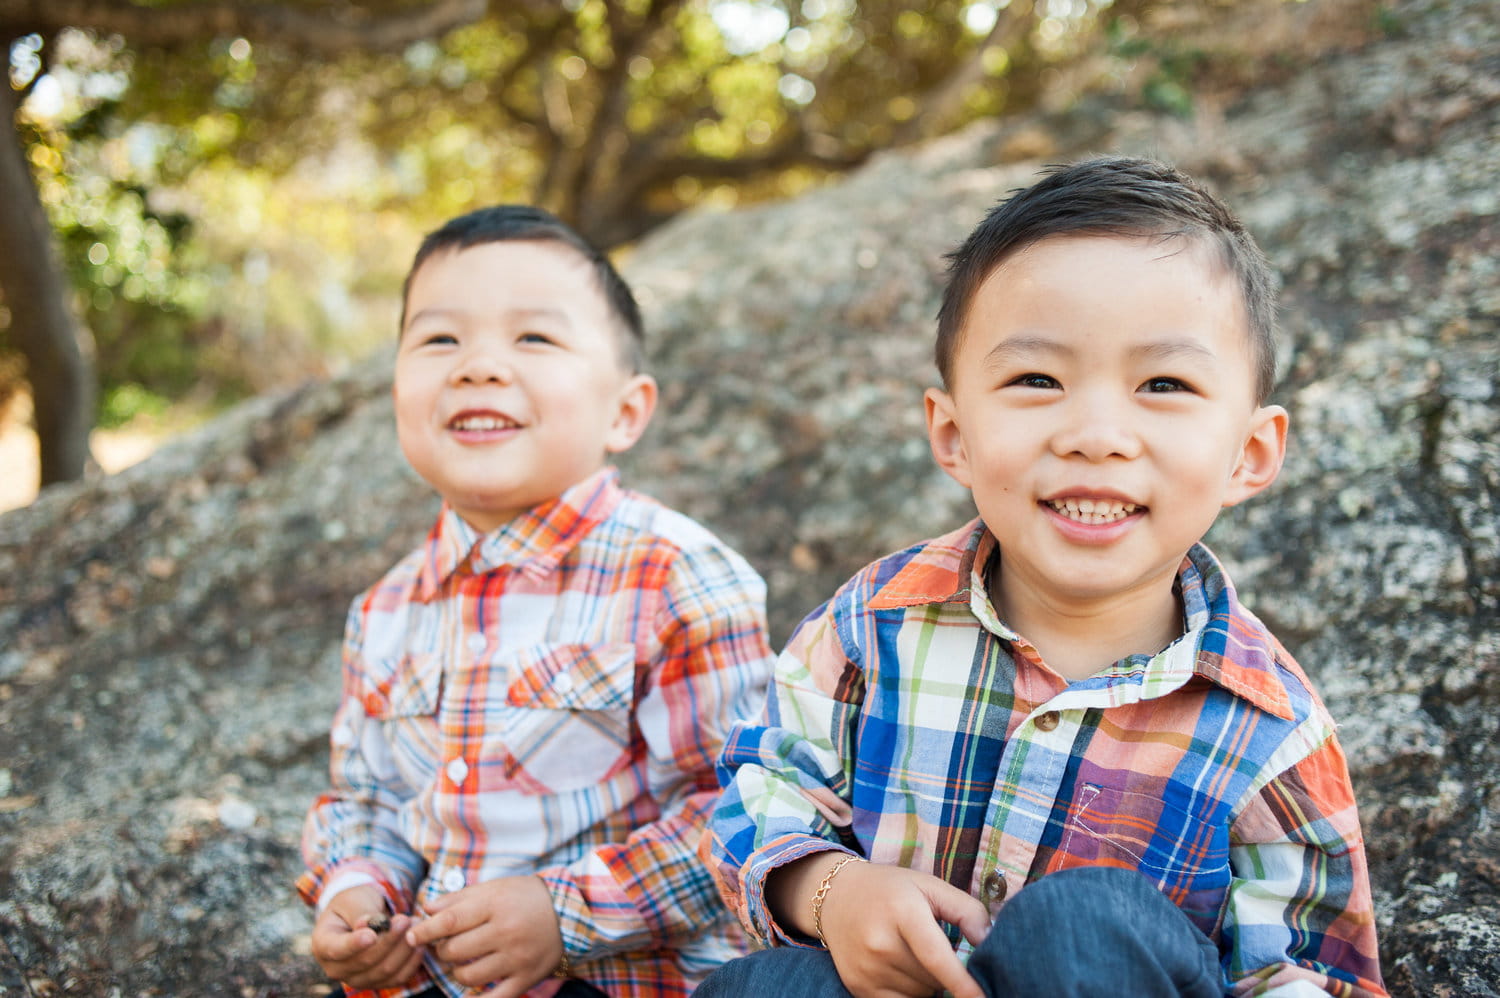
{"type": "Point", "coordinates": [821, 894]}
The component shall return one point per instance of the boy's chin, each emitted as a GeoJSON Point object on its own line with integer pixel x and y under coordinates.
{"type": "Point", "coordinates": [485, 515]}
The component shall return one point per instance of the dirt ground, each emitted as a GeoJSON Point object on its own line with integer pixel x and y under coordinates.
{"type": "Point", "coordinates": [113, 449]}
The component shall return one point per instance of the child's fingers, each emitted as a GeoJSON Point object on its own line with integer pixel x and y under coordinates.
{"type": "Point", "coordinates": [399, 925]}
{"type": "Point", "coordinates": [930, 947]}
{"type": "Point", "coordinates": [396, 964]}
{"type": "Point", "coordinates": [409, 968]}
{"type": "Point", "coordinates": [490, 967]}
{"type": "Point", "coordinates": [379, 965]}
{"type": "Point", "coordinates": [465, 947]}
{"type": "Point", "coordinates": [439, 924]}
{"type": "Point", "coordinates": [335, 941]}
{"type": "Point", "coordinates": [958, 908]}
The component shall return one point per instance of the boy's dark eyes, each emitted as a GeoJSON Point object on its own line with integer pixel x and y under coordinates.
{"type": "Point", "coordinates": [1034, 380]}
{"type": "Point", "coordinates": [534, 337]}
{"type": "Point", "coordinates": [438, 339]}
{"type": "Point", "coordinates": [1158, 385]}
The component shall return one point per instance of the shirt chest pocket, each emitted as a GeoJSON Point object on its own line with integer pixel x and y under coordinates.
{"type": "Point", "coordinates": [566, 722]}
{"type": "Point", "coordinates": [401, 696]}
{"type": "Point", "coordinates": [1181, 852]}
{"type": "Point", "coordinates": [406, 686]}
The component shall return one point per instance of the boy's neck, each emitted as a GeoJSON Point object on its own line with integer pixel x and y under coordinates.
{"type": "Point", "coordinates": [1078, 641]}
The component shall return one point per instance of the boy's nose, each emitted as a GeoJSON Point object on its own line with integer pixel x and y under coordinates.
{"type": "Point", "coordinates": [483, 367]}
{"type": "Point", "coordinates": [1096, 429]}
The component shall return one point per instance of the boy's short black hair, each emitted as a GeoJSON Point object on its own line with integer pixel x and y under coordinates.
{"type": "Point", "coordinates": [1118, 196]}
{"type": "Point", "coordinates": [525, 223]}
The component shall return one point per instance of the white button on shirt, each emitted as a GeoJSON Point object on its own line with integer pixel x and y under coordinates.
{"type": "Point", "coordinates": [562, 682]}
{"type": "Point", "coordinates": [476, 642]}
{"type": "Point", "coordinates": [457, 770]}
{"type": "Point", "coordinates": [453, 879]}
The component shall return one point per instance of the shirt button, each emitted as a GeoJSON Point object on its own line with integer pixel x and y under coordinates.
{"type": "Point", "coordinates": [476, 642]}
{"type": "Point", "coordinates": [457, 769]}
{"type": "Point", "coordinates": [562, 682]}
{"type": "Point", "coordinates": [994, 887]}
{"type": "Point", "coordinates": [453, 879]}
{"type": "Point", "coordinates": [1048, 721]}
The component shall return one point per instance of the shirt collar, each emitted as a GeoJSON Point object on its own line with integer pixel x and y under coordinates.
{"type": "Point", "coordinates": [1225, 643]}
{"type": "Point", "coordinates": [1234, 649]}
{"type": "Point", "coordinates": [940, 571]}
{"type": "Point", "coordinates": [535, 542]}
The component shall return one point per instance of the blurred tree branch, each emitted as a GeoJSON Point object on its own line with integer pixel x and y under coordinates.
{"type": "Point", "coordinates": [327, 33]}
{"type": "Point", "coordinates": [57, 349]}
{"type": "Point", "coordinates": [55, 344]}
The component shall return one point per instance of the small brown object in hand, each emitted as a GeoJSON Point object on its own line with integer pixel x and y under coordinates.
{"type": "Point", "coordinates": [380, 922]}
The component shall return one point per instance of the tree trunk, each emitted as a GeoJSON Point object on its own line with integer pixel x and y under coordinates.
{"type": "Point", "coordinates": [58, 350]}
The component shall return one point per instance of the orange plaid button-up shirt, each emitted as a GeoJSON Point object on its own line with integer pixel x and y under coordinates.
{"type": "Point", "coordinates": [549, 699]}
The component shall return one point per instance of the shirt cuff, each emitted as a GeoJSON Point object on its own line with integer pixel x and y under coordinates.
{"type": "Point", "coordinates": [353, 873]}
{"type": "Point", "coordinates": [766, 861]}
{"type": "Point", "coordinates": [342, 882]}
{"type": "Point", "coordinates": [572, 910]}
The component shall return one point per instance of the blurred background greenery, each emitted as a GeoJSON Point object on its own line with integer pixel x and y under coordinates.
{"type": "Point", "coordinates": [234, 192]}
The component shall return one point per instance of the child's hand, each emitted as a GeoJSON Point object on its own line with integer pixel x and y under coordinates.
{"type": "Point", "coordinates": [503, 932]}
{"type": "Point", "coordinates": [880, 924]}
{"type": "Point", "coordinates": [353, 953]}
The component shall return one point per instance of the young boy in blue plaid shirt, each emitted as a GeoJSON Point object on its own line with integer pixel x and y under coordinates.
{"type": "Point", "coordinates": [1056, 732]}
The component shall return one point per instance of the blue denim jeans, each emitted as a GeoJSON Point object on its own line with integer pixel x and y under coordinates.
{"type": "Point", "coordinates": [1089, 932]}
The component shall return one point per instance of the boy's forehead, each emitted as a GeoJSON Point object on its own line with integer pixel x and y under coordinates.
{"type": "Point", "coordinates": [528, 275]}
{"type": "Point", "coordinates": [1072, 260]}
{"type": "Point", "coordinates": [1080, 244]}
{"type": "Point", "coordinates": [503, 252]}
{"type": "Point", "coordinates": [1074, 263]}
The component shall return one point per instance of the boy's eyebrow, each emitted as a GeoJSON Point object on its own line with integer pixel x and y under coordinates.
{"type": "Point", "coordinates": [428, 313]}
{"type": "Point", "coordinates": [540, 312]}
{"type": "Point", "coordinates": [1175, 349]}
{"type": "Point", "coordinates": [1017, 347]}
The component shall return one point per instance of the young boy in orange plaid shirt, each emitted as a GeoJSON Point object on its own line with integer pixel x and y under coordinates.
{"type": "Point", "coordinates": [533, 700]}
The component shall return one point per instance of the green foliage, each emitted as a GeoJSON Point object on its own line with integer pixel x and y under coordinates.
{"type": "Point", "coordinates": [138, 287]}
{"type": "Point", "coordinates": [123, 404]}
{"type": "Point", "coordinates": [1168, 86]}
{"type": "Point", "coordinates": [1389, 22]}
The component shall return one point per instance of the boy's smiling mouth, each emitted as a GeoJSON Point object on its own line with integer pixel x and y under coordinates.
{"type": "Point", "coordinates": [1092, 511]}
{"type": "Point", "coordinates": [482, 422]}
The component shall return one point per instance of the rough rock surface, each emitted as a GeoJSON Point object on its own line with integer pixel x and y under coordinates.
{"type": "Point", "coordinates": [168, 636]}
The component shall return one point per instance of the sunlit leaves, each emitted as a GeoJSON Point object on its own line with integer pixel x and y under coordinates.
{"type": "Point", "coordinates": [749, 26]}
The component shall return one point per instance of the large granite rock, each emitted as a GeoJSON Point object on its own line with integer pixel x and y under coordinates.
{"type": "Point", "coordinates": [168, 636]}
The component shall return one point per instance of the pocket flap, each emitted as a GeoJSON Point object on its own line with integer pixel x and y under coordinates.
{"type": "Point", "coordinates": [574, 677]}
{"type": "Point", "coordinates": [407, 686]}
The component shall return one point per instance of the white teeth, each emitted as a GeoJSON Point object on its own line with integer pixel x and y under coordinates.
{"type": "Point", "coordinates": [1093, 510]}
{"type": "Point", "coordinates": [481, 423]}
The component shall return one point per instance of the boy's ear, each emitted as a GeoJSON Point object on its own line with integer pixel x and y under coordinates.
{"type": "Point", "coordinates": [944, 436]}
{"type": "Point", "coordinates": [1261, 457]}
{"type": "Point", "coordinates": [637, 403]}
